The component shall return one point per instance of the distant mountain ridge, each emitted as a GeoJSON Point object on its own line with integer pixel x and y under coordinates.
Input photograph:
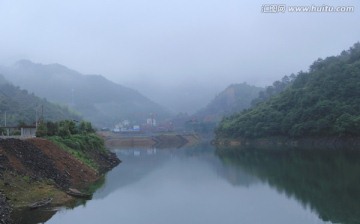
{"type": "Point", "coordinates": [99, 100]}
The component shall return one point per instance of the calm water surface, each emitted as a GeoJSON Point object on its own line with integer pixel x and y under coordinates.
{"type": "Point", "coordinates": [197, 185]}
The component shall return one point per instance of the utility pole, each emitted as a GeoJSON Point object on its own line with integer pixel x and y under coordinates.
{"type": "Point", "coordinates": [42, 114]}
{"type": "Point", "coordinates": [39, 118]}
{"type": "Point", "coordinates": [7, 129]}
{"type": "Point", "coordinates": [36, 118]}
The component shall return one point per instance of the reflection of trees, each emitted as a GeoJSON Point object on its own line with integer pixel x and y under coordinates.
{"type": "Point", "coordinates": [30, 216]}
{"type": "Point", "coordinates": [236, 175]}
{"type": "Point", "coordinates": [326, 181]}
{"type": "Point", "coordinates": [27, 216]}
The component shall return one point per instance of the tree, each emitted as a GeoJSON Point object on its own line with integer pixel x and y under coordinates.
{"type": "Point", "coordinates": [41, 130]}
{"type": "Point", "coordinates": [52, 128]}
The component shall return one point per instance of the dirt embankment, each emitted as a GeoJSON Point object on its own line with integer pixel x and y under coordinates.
{"type": "Point", "coordinates": [173, 140]}
{"type": "Point", "coordinates": [33, 169]}
{"type": "Point", "coordinates": [5, 210]}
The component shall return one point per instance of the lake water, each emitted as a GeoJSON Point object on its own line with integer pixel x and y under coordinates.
{"type": "Point", "coordinates": [197, 185]}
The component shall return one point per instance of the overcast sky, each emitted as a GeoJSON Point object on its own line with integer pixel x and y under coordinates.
{"type": "Point", "coordinates": [179, 53]}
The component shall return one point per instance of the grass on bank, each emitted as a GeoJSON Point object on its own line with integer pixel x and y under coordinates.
{"type": "Point", "coordinates": [80, 146]}
{"type": "Point", "coordinates": [17, 187]}
{"type": "Point", "coordinates": [77, 138]}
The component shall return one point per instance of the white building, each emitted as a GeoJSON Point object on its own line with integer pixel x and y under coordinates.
{"type": "Point", "coordinates": [151, 122]}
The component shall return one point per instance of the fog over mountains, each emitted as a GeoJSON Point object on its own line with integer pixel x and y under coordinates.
{"type": "Point", "coordinates": [99, 100]}
{"type": "Point", "coordinates": [106, 103]}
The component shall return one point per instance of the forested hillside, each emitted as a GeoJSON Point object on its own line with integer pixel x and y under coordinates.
{"type": "Point", "coordinates": [322, 102]}
{"type": "Point", "coordinates": [99, 100]}
{"type": "Point", "coordinates": [22, 107]}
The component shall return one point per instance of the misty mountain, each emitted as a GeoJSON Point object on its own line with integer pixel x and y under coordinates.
{"type": "Point", "coordinates": [99, 100]}
{"type": "Point", "coordinates": [234, 98]}
{"type": "Point", "coordinates": [20, 106]}
{"type": "Point", "coordinates": [190, 94]}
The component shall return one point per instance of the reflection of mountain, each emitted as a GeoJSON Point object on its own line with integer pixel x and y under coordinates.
{"type": "Point", "coordinates": [224, 168]}
{"type": "Point", "coordinates": [136, 164]}
{"type": "Point", "coordinates": [27, 216]}
{"type": "Point", "coordinates": [139, 163]}
{"type": "Point", "coordinates": [327, 181]}
{"type": "Point", "coordinates": [236, 175]}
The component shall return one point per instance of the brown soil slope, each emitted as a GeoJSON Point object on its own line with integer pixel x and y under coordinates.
{"type": "Point", "coordinates": [40, 159]}
{"type": "Point", "coordinates": [5, 210]}
{"type": "Point", "coordinates": [76, 173]}
{"type": "Point", "coordinates": [36, 168]}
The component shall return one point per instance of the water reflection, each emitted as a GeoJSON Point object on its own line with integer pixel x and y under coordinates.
{"type": "Point", "coordinates": [136, 164]}
{"type": "Point", "coordinates": [238, 185]}
{"type": "Point", "coordinates": [140, 162]}
{"type": "Point", "coordinates": [327, 181]}
{"type": "Point", "coordinates": [187, 185]}
{"type": "Point", "coordinates": [27, 216]}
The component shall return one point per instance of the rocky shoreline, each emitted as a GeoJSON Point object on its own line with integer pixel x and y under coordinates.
{"type": "Point", "coordinates": [34, 169]}
{"type": "Point", "coordinates": [5, 210]}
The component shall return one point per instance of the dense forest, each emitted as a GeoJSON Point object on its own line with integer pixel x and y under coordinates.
{"type": "Point", "coordinates": [22, 107]}
{"type": "Point", "coordinates": [323, 102]}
